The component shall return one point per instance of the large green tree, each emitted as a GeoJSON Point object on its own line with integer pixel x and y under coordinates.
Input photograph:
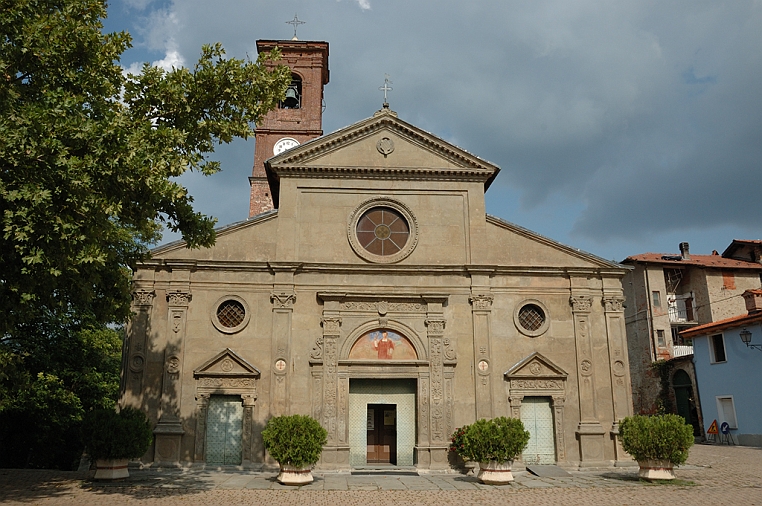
{"type": "Point", "coordinates": [89, 155]}
{"type": "Point", "coordinates": [89, 158]}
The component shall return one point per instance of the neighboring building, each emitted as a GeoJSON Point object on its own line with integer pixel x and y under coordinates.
{"type": "Point", "coordinates": [669, 293]}
{"type": "Point", "coordinates": [728, 359]}
{"type": "Point", "coordinates": [379, 298]}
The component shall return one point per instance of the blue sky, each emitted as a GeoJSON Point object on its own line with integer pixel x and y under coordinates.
{"type": "Point", "coordinates": [620, 127]}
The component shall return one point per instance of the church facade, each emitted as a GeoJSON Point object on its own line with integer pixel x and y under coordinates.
{"type": "Point", "coordinates": [381, 299]}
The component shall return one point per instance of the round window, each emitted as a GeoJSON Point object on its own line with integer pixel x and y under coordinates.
{"type": "Point", "coordinates": [531, 318]}
{"type": "Point", "coordinates": [382, 230]}
{"type": "Point", "coordinates": [230, 314]}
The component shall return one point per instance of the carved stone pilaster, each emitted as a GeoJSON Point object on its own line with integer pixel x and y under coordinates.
{"type": "Point", "coordinates": [142, 297]}
{"type": "Point", "coordinates": [515, 402]}
{"type": "Point", "coordinates": [613, 304]}
{"type": "Point", "coordinates": [169, 428]}
{"type": "Point", "coordinates": [202, 408]}
{"type": "Point", "coordinates": [618, 369]}
{"type": "Point", "coordinates": [178, 298]}
{"type": "Point", "coordinates": [283, 309]}
{"type": "Point", "coordinates": [330, 386]}
{"type": "Point", "coordinates": [558, 416]}
{"type": "Point", "coordinates": [135, 345]}
{"type": "Point", "coordinates": [589, 431]}
{"type": "Point", "coordinates": [481, 302]}
{"type": "Point", "coordinates": [581, 303]}
{"type": "Point", "coordinates": [481, 307]}
{"type": "Point", "coordinates": [283, 300]}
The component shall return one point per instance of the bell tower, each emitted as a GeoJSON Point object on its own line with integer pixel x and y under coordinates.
{"type": "Point", "coordinates": [297, 119]}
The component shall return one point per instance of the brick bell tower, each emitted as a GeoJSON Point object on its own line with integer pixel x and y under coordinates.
{"type": "Point", "coordinates": [297, 119]}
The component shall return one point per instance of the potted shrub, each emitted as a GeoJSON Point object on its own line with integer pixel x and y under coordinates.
{"type": "Point", "coordinates": [494, 444]}
{"type": "Point", "coordinates": [113, 438]}
{"type": "Point", "coordinates": [657, 442]}
{"type": "Point", "coordinates": [296, 443]}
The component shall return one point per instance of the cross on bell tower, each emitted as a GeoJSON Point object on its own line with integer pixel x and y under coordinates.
{"type": "Point", "coordinates": [297, 119]}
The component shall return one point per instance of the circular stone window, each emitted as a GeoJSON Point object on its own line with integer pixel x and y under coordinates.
{"type": "Point", "coordinates": [230, 314]}
{"type": "Point", "coordinates": [531, 318]}
{"type": "Point", "coordinates": [382, 230]}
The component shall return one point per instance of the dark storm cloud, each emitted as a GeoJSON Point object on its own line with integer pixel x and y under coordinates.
{"type": "Point", "coordinates": [639, 120]}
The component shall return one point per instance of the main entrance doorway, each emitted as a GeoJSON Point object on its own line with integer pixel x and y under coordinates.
{"type": "Point", "coordinates": [382, 434]}
{"type": "Point", "coordinates": [224, 430]}
{"type": "Point", "coordinates": [382, 425]}
{"type": "Point", "coordinates": [537, 417]}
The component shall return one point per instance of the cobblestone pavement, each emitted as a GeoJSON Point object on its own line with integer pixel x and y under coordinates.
{"type": "Point", "coordinates": [715, 475]}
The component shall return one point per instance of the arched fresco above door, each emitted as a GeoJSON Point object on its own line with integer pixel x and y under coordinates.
{"type": "Point", "coordinates": [383, 344]}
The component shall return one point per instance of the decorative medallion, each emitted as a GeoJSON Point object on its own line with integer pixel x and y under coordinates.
{"type": "Point", "coordinates": [226, 365]}
{"type": "Point", "coordinates": [483, 366]}
{"type": "Point", "coordinates": [385, 146]}
{"type": "Point", "coordinates": [280, 365]}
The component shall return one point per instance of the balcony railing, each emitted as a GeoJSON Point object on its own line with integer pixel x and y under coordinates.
{"type": "Point", "coordinates": [681, 351]}
{"type": "Point", "coordinates": [678, 315]}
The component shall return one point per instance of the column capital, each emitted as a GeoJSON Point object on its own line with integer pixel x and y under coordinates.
{"type": "Point", "coordinates": [581, 303]}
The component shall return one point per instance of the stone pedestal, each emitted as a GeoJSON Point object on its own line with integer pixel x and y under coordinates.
{"type": "Point", "coordinates": [167, 435]}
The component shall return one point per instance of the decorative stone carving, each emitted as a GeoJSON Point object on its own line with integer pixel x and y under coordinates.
{"type": "Point", "coordinates": [143, 297]}
{"type": "Point", "coordinates": [384, 307]}
{"type": "Point", "coordinates": [178, 297]}
{"type": "Point", "coordinates": [331, 325]}
{"type": "Point", "coordinates": [283, 300]}
{"type": "Point", "coordinates": [450, 355]}
{"type": "Point", "coordinates": [537, 384]}
{"type": "Point", "coordinates": [481, 302]}
{"type": "Point", "coordinates": [173, 364]}
{"type": "Point", "coordinates": [385, 146]}
{"type": "Point", "coordinates": [614, 304]}
{"type": "Point", "coordinates": [581, 303]}
{"type": "Point", "coordinates": [586, 368]}
{"type": "Point", "coordinates": [317, 350]}
{"type": "Point", "coordinates": [435, 326]}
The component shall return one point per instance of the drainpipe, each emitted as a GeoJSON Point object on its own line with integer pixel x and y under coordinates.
{"type": "Point", "coordinates": [649, 315]}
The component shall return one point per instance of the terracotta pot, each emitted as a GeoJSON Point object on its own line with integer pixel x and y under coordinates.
{"type": "Point", "coordinates": [495, 473]}
{"type": "Point", "coordinates": [656, 470]}
{"type": "Point", "coordinates": [111, 469]}
{"type": "Point", "coordinates": [292, 475]}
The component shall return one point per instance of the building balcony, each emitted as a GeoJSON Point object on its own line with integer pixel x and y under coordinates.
{"type": "Point", "coordinates": [681, 351]}
{"type": "Point", "coordinates": [681, 315]}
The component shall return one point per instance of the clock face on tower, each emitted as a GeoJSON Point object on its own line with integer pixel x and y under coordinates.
{"type": "Point", "coordinates": [284, 144]}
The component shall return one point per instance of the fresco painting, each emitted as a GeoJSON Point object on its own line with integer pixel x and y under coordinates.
{"type": "Point", "coordinates": [383, 345]}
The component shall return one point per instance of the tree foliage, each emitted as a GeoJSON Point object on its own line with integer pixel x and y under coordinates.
{"type": "Point", "coordinates": [89, 158]}
{"type": "Point", "coordinates": [89, 154]}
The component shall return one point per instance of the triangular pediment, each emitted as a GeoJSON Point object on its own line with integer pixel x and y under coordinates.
{"type": "Point", "coordinates": [381, 146]}
{"type": "Point", "coordinates": [224, 364]}
{"type": "Point", "coordinates": [535, 366]}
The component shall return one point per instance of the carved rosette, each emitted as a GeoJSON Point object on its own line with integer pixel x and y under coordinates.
{"type": "Point", "coordinates": [581, 303]}
{"type": "Point", "coordinates": [283, 300]}
{"type": "Point", "coordinates": [481, 302]}
{"type": "Point", "coordinates": [614, 304]}
{"type": "Point", "coordinates": [178, 298]}
{"type": "Point", "coordinates": [143, 297]}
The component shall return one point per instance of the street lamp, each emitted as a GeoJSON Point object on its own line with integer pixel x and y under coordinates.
{"type": "Point", "coordinates": [746, 338]}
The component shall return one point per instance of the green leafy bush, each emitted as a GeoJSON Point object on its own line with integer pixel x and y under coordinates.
{"type": "Point", "coordinates": [111, 435]}
{"type": "Point", "coordinates": [499, 439]}
{"type": "Point", "coordinates": [658, 437]}
{"type": "Point", "coordinates": [295, 440]}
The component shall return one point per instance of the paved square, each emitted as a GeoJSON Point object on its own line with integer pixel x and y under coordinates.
{"type": "Point", "coordinates": [714, 475]}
